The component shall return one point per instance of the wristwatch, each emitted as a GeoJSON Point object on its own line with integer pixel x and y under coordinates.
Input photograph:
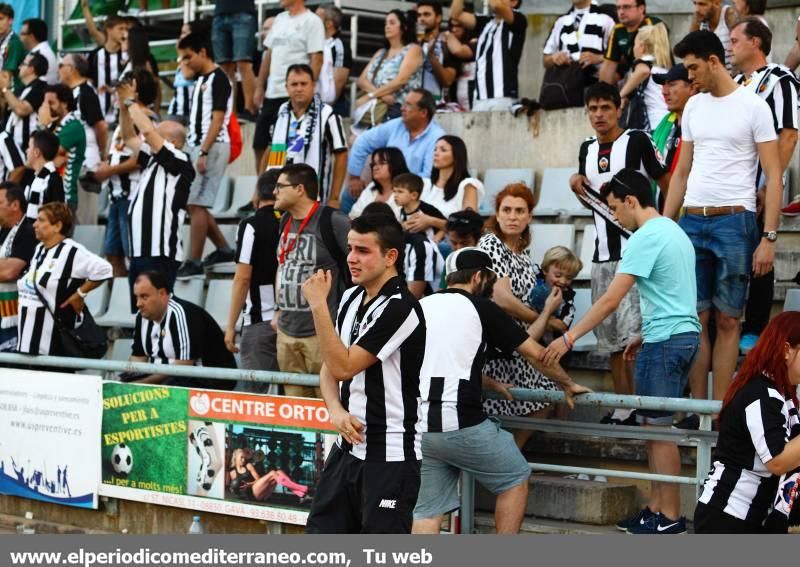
{"type": "Point", "coordinates": [370, 95]}
{"type": "Point", "coordinates": [203, 153]}
{"type": "Point", "coordinates": [81, 294]}
{"type": "Point", "coordinates": [770, 235]}
{"type": "Point", "coordinates": [128, 102]}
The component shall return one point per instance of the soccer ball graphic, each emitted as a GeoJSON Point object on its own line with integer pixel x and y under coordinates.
{"type": "Point", "coordinates": [121, 459]}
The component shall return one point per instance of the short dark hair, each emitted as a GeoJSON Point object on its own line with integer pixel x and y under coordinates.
{"type": "Point", "coordinates": [39, 64]}
{"type": "Point", "coordinates": [334, 14]}
{"type": "Point", "coordinates": [756, 7]}
{"type": "Point", "coordinates": [464, 276]}
{"type": "Point", "coordinates": [752, 26]}
{"type": "Point", "coordinates": [434, 4]}
{"type": "Point", "coordinates": [37, 28]}
{"type": "Point", "coordinates": [63, 94]}
{"type": "Point", "coordinates": [7, 10]}
{"type": "Point", "coordinates": [46, 142]}
{"type": "Point", "coordinates": [146, 86]}
{"type": "Point", "coordinates": [303, 174]}
{"type": "Point", "coordinates": [409, 181]}
{"type": "Point", "coordinates": [629, 182]}
{"type": "Point", "coordinates": [378, 208]}
{"type": "Point", "coordinates": [15, 194]}
{"type": "Point", "coordinates": [197, 41]}
{"type": "Point", "coordinates": [114, 20]}
{"type": "Point", "coordinates": [427, 102]}
{"type": "Point", "coordinates": [81, 65]}
{"type": "Point", "coordinates": [466, 223]}
{"type": "Point", "coordinates": [300, 68]}
{"type": "Point", "coordinates": [387, 229]}
{"type": "Point", "coordinates": [265, 186]}
{"type": "Point", "coordinates": [603, 91]}
{"type": "Point", "coordinates": [702, 44]}
{"type": "Point", "coordinates": [158, 279]}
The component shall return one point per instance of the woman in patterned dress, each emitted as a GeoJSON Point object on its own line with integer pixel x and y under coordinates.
{"type": "Point", "coordinates": [507, 240]}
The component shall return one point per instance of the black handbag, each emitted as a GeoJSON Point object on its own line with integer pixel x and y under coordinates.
{"type": "Point", "coordinates": [635, 115]}
{"type": "Point", "coordinates": [562, 87]}
{"type": "Point", "coordinates": [86, 340]}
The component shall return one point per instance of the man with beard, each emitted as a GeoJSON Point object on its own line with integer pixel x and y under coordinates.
{"type": "Point", "coordinates": [462, 324]}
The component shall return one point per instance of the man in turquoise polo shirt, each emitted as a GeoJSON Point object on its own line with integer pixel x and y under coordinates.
{"type": "Point", "coordinates": [660, 260]}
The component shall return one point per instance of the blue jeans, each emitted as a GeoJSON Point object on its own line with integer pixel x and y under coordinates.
{"type": "Point", "coordinates": [662, 370]}
{"type": "Point", "coordinates": [723, 248]}
{"type": "Point", "coordinates": [117, 242]}
{"type": "Point", "coordinates": [232, 37]}
{"type": "Point", "coordinates": [167, 266]}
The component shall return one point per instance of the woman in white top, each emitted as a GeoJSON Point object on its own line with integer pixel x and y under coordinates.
{"type": "Point", "coordinates": [652, 51]}
{"type": "Point", "coordinates": [451, 188]}
{"type": "Point", "coordinates": [385, 164]}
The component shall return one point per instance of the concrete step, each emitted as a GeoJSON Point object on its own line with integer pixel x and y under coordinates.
{"type": "Point", "coordinates": [484, 524]}
{"type": "Point", "coordinates": [558, 498]}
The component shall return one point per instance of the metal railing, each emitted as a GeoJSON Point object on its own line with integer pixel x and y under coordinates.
{"type": "Point", "coordinates": [703, 439]}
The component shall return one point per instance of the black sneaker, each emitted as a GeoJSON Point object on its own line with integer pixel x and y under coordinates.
{"type": "Point", "coordinates": [219, 257]}
{"type": "Point", "coordinates": [689, 422]}
{"type": "Point", "coordinates": [245, 116]}
{"type": "Point", "coordinates": [190, 270]}
{"type": "Point", "coordinates": [640, 518]}
{"type": "Point", "coordinates": [609, 419]}
{"type": "Point", "coordinates": [659, 524]}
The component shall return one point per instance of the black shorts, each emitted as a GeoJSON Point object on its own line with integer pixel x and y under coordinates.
{"type": "Point", "coordinates": [355, 496]}
{"type": "Point", "coordinates": [266, 118]}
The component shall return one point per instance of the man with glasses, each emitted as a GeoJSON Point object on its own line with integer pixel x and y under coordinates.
{"type": "Point", "coordinates": [24, 102]}
{"type": "Point", "coordinates": [306, 130]}
{"type": "Point", "coordinates": [659, 259]}
{"type": "Point", "coordinates": [34, 38]}
{"type": "Point", "coordinates": [414, 133]}
{"type": "Point", "coordinates": [632, 15]}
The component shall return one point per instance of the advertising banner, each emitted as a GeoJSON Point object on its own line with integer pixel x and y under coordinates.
{"type": "Point", "coordinates": [226, 452]}
{"type": "Point", "coordinates": [48, 448]}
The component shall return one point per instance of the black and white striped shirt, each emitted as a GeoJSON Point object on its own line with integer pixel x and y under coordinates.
{"type": "Point", "coordinates": [634, 149]}
{"type": "Point", "coordinates": [120, 186]}
{"type": "Point", "coordinates": [45, 187]}
{"type": "Point", "coordinates": [211, 92]}
{"type": "Point", "coordinates": [158, 203]}
{"type": "Point", "coordinates": [57, 272]}
{"type": "Point", "coordinates": [181, 103]}
{"type": "Point", "coordinates": [460, 328]}
{"type": "Point", "coordinates": [255, 246]}
{"type": "Point", "coordinates": [11, 156]}
{"type": "Point", "coordinates": [89, 111]}
{"type": "Point", "coordinates": [497, 56]}
{"type": "Point", "coordinates": [423, 262]}
{"type": "Point", "coordinates": [105, 68]}
{"type": "Point", "coordinates": [384, 396]}
{"type": "Point", "coordinates": [754, 429]}
{"type": "Point", "coordinates": [580, 30]}
{"type": "Point", "coordinates": [22, 126]}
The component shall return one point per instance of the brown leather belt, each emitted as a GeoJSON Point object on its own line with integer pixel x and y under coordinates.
{"type": "Point", "coordinates": [713, 211]}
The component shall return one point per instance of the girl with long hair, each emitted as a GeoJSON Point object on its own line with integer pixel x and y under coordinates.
{"type": "Point", "coordinates": [653, 57]}
{"type": "Point", "coordinates": [385, 164]}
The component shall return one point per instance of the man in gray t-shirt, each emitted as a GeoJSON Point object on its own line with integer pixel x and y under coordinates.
{"type": "Point", "coordinates": [307, 231]}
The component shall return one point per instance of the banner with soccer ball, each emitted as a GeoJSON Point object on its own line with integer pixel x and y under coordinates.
{"type": "Point", "coordinates": [246, 455]}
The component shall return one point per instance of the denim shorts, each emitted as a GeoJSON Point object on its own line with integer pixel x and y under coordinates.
{"type": "Point", "coordinates": [485, 450]}
{"type": "Point", "coordinates": [117, 242]}
{"type": "Point", "coordinates": [662, 370]}
{"type": "Point", "coordinates": [723, 248]}
{"type": "Point", "coordinates": [233, 37]}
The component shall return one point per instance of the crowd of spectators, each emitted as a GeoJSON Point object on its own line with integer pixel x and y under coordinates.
{"type": "Point", "coordinates": [664, 144]}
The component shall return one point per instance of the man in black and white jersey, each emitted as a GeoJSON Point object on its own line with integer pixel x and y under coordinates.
{"type": "Point", "coordinates": [158, 205]}
{"type": "Point", "coordinates": [45, 184]}
{"type": "Point", "coordinates": [750, 43]}
{"type": "Point", "coordinates": [107, 61]}
{"type": "Point", "coordinates": [600, 157]}
{"type": "Point", "coordinates": [209, 147]}
{"type": "Point", "coordinates": [172, 331]}
{"type": "Point", "coordinates": [24, 102]}
{"type": "Point", "coordinates": [254, 286]}
{"type": "Point", "coordinates": [462, 324]}
{"type": "Point", "coordinates": [498, 52]}
{"type": "Point", "coordinates": [370, 383]}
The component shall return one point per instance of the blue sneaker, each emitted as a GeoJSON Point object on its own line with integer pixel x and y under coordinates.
{"type": "Point", "coordinates": [747, 342]}
{"type": "Point", "coordinates": [659, 524]}
{"type": "Point", "coordinates": [639, 518]}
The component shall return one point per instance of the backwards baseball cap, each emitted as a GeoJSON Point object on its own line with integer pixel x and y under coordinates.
{"type": "Point", "coordinates": [677, 73]}
{"type": "Point", "coordinates": [466, 259]}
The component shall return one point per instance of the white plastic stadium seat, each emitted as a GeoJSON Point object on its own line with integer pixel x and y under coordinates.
{"type": "Point", "coordinates": [97, 300]}
{"type": "Point", "coordinates": [494, 180]}
{"type": "Point", "coordinates": [555, 196]}
{"type": "Point", "coordinates": [243, 188]}
{"type": "Point", "coordinates": [190, 290]}
{"type": "Point", "coordinates": [119, 306]}
{"type": "Point", "coordinates": [218, 300]}
{"type": "Point", "coordinates": [91, 236]}
{"type": "Point", "coordinates": [121, 350]}
{"type": "Point", "coordinates": [545, 236]}
{"type": "Point", "coordinates": [792, 301]}
{"type": "Point", "coordinates": [587, 252]}
{"type": "Point", "coordinates": [583, 302]}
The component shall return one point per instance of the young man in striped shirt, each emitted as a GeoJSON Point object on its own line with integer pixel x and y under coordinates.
{"type": "Point", "coordinates": [45, 185]}
{"type": "Point", "coordinates": [107, 61]}
{"type": "Point", "coordinates": [209, 147]}
{"type": "Point", "coordinates": [24, 102]}
{"type": "Point", "coordinates": [370, 382]}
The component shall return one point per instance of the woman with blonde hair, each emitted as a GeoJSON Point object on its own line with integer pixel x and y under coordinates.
{"type": "Point", "coordinates": [653, 57]}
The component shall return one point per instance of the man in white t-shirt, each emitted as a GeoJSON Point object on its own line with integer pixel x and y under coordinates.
{"type": "Point", "coordinates": [297, 36]}
{"type": "Point", "coordinates": [726, 132]}
{"type": "Point", "coordinates": [34, 38]}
